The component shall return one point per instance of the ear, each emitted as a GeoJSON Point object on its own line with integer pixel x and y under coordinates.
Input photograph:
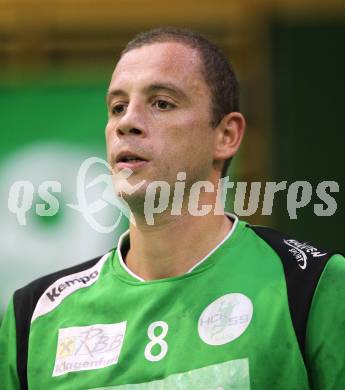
{"type": "Point", "coordinates": [228, 137]}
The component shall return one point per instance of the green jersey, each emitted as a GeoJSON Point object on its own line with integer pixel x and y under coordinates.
{"type": "Point", "coordinates": [237, 320]}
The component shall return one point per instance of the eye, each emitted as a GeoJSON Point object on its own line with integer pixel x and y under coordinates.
{"type": "Point", "coordinates": [118, 109]}
{"type": "Point", "coordinates": [163, 104]}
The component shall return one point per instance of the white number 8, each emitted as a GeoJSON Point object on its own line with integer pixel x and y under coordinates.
{"type": "Point", "coordinates": [157, 340]}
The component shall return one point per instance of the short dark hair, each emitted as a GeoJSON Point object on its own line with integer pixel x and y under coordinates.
{"type": "Point", "coordinates": [216, 69]}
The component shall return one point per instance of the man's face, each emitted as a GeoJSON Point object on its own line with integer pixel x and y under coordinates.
{"type": "Point", "coordinates": [159, 108]}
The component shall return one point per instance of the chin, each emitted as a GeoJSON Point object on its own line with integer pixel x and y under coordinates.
{"type": "Point", "coordinates": [134, 200]}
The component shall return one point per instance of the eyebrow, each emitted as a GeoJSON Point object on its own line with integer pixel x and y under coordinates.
{"type": "Point", "coordinates": [114, 93]}
{"type": "Point", "coordinates": [169, 87]}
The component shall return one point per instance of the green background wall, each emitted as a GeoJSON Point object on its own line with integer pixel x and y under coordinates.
{"type": "Point", "coordinates": [308, 65]}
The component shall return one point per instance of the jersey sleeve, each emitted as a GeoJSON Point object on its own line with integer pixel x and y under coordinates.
{"type": "Point", "coordinates": [325, 339]}
{"type": "Point", "coordinates": [8, 354]}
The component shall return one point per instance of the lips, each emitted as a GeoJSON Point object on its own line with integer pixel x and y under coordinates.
{"type": "Point", "coordinates": [126, 156]}
{"type": "Point", "coordinates": [131, 160]}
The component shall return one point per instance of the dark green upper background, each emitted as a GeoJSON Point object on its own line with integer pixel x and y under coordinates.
{"type": "Point", "coordinates": [309, 130]}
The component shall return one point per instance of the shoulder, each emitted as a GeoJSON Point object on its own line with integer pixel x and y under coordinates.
{"type": "Point", "coordinates": [43, 295]}
{"type": "Point", "coordinates": [330, 289]}
{"type": "Point", "coordinates": [303, 263]}
{"type": "Point", "coordinates": [335, 268]}
{"type": "Point", "coordinates": [305, 267]}
{"type": "Point", "coordinates": [325, 338]}
{"type": "Point", "coordinates": [294, 253]}
{"type": "Point", "coordinates": [55, 285]}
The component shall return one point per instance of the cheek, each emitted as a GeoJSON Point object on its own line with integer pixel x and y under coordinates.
{"type": "Point", "coordinates": [107, 132]}
{"type": "Point", "coordinates": [110, 133]}
{"type": "Point", "coordinates": [188, 128]}
{"type": "Point", "coordinates": [110, 139]}
{"type": "Point", "coordinates": [196, 137]}
{"type": "Point", "coordinates": [186, 144]}
{"type": "Point", "coordinates": [109, 129]}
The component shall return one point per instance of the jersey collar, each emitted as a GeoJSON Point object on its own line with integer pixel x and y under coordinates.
{"type": "Point", "coordinates": [123, 246]}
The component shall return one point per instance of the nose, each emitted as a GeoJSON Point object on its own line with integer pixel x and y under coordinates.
{"type": "Point", "coordinates": [132, 122]}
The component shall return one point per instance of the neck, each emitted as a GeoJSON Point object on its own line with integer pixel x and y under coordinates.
{"type": "Point", "coordinates": [174, 245]}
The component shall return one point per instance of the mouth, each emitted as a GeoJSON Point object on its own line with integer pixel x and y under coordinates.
{"type": "Point", "coordinates": [130, 160]}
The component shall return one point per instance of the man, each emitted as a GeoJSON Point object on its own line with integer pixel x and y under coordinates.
{"type": "Point", "coordinates": [195, 300]}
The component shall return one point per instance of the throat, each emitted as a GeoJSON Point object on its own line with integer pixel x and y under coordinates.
{"type": "Point", "coordinates": [174, 251]}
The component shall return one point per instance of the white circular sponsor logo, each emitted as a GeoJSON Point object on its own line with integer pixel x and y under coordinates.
{"type": "Point", "coordinates": [225, 319]}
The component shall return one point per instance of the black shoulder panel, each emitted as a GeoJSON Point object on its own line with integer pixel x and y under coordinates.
{"type": "Point", "coordinates": [303, 265]}
{"type": "Point", "coordinates": [25, 300]}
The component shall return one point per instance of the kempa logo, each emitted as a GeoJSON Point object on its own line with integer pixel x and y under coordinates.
{"type": "Point", "coordinates": [55, 292]}
{"type": "Point", "coordinates": [301, 251]}
{"type": "Point", "coordinates": [67, 285]}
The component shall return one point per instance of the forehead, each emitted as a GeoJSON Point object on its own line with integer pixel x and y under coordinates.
{"type": "Point", "coordinates": [170, 61]}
